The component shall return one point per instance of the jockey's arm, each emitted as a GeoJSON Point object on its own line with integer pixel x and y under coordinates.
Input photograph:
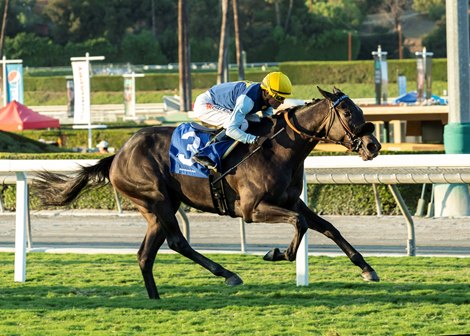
{"type": "Point", "coordinates": [268, 112]}
{"type": "Point", "coordinates": [243, 106]}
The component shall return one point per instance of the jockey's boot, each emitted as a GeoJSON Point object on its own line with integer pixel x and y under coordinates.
{"type": "Point", "coordinates": [204, 161]}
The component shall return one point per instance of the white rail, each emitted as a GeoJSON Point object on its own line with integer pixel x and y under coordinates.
{"type": "Point", "coordinates": [20, 168]}
{"type": "Point", "coordinates": [444, 168]}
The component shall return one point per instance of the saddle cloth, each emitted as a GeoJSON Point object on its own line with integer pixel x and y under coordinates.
{"type": "Point", "coordinates": [185, 142]}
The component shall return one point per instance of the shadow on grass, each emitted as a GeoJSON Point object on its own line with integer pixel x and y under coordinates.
{"type": "Point", "coordinates": [200, 297]}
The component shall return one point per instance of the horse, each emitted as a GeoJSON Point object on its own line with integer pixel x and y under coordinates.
{"type": "Point", "coordinates": [265, 188]}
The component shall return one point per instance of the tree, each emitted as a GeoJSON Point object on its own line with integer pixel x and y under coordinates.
{"type": "Point", "coordinates": [434, 8]}
{"type": "Point", "coordinates": [4, 24]}
{"type": "Point", "coordinates": [184, 59]}
{"type": "Point", "coordinates": [238, 44]}
{"type": "Point", "coordinates": [222, 63]}
{"type": "Point", "coordinates": [393, 10]}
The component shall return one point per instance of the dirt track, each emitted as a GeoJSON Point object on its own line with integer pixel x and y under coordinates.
{"type": "Point", "coordinates": [369, 234]}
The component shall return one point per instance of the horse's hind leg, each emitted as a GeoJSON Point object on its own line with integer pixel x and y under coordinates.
{"type": "Point", "coordinates": [317, 223]}
{"type": "Point", "coordinates": [152, 242]}
{"type": "Point", "coordinates": [178, 243]}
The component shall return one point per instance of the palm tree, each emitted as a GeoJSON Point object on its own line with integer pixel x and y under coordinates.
{"type": "Point", "coordinates": [184, 59]}
{"type": "Point", "coordinates": [241, 69]}
{"type": "Point", "coordinates": [221, 67]}
{"type": "Point", "coordinates": [4, 24]}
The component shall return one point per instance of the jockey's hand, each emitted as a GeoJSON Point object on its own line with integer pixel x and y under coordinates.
{"type": "Point", "coordinates": [260, 140]}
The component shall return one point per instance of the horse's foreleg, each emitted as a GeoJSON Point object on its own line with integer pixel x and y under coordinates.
{"type": "Point", "coordinates": [267, 213]}
{"type": "Point", "coordinates": [152, 242]}
{"type": "Point", "coordinates": [317, 223]}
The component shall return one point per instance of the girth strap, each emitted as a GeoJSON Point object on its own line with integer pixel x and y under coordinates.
{"type": "Point", "coordinates": [218, 194]}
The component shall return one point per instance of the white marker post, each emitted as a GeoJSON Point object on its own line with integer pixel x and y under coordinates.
{"type": "Point", "coordinates": [302, 253]}
{"type": "Point", "coordinates": [129, 95]}
{"type": "Point", "coordinates": [81, 79]}
{"type": "Point", "coordinates": [4, 62]}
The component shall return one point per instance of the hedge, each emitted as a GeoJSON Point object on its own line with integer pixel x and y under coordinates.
{"type": "Point", "coordinates": [356, 71]}
{"type": "Point", "coordinates": [300, 73]}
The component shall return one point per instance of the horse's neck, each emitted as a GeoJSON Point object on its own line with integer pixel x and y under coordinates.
{"type": "Point", "coordinates": [312, 116]}
{"type": "Point", "coordinates": [306, 118]}
{"type": "Point", "coordinates": [309, 119]}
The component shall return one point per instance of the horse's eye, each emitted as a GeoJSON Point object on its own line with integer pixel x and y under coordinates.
{"type": "Point", "coordinates": [347, 113]}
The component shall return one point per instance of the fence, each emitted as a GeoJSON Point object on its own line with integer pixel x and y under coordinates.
{"type": "Point", "coordinates": [389, 170]}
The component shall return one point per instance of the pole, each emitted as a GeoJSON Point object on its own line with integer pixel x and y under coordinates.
{"type": "Point", "coordinates": [20, 233]}
{"type": "Point", "coordinates": [349, 46]}
{"type": "Point", "coordinates": [4, 79]}
{"type": "Point", "coordinates": [457, 131]}
{"type": "Point", "coordinates": [400, 47]}
{"type": "Point", "coordinates": [301, 264]}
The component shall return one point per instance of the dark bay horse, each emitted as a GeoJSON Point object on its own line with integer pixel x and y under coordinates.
{"type": "Point", "coordinates": [265, 188]}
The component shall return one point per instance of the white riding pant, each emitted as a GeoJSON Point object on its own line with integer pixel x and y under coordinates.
{"type": "Point", "coordinates": [207, 112]}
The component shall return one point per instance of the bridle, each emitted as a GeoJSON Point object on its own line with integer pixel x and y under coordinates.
{"type": "Point", "coordinates": [355, 142]}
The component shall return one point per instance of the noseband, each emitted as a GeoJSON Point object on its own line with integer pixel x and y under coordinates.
{"type": "Point", "coordinates": [355, 142]}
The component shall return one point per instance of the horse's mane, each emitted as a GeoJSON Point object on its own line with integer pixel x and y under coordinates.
{"type": "Point", "coordinates": [314, 101]}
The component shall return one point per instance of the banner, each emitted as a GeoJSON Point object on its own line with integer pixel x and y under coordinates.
{"type": "Point", "coordinates": [14, 77]}
{"type": "Point", "coordinates": [70, 97]}
{"type": "Point", "coordinates": [81, 83]}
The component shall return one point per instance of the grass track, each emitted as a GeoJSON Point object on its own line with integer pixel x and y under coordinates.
{"type": "Point", "coordinates": [104, 295]}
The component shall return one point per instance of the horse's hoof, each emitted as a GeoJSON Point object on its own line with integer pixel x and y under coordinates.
{"type": "Point", "coordinates": [234, 280]}
{"type": "Point", "coordinates": [272, 255]}
{"type": "Point", "coordinates": [370, 276]}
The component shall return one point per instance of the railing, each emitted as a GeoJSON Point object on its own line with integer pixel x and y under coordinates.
{"type": "Point", "coordinates": [390, 170]}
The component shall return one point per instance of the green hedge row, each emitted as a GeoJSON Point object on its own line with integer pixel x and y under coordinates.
{"type": "Point", "coordinates": [151, 82]}
{"type": "Point", "coordinates": [356, 71]}
{"type": "Point", "coordinates": [299, 72]}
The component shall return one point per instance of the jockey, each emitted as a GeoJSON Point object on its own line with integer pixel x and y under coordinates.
{"type": "Point", "coordinates": [231, 105]}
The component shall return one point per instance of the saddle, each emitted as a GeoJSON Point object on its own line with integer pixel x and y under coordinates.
{"type": "Point", "coordinates": [216, 183]}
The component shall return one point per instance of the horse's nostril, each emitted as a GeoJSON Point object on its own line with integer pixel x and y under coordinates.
{"type": "Point", "coordinates": [372, 148]}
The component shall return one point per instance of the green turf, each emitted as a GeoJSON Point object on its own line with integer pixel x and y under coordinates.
{"type": "Point", "coordinates": [104, 295]}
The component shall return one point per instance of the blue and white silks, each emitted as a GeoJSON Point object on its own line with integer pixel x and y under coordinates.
{"type": "Point", "coordinates": [187, 141]}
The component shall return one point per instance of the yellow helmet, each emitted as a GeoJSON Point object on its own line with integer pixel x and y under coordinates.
{"type": "Point", "coordinates": [277, 84]}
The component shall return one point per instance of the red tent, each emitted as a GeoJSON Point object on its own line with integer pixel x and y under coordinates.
{"type": "Point", "coordinates": [17, 117]}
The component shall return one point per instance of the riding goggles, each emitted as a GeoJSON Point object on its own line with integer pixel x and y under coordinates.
{"type": "Point", "coordinates": [278, 98]}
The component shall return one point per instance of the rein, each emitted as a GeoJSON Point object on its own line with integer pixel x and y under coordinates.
{"type": "Point", "coordinates": [328, 120]}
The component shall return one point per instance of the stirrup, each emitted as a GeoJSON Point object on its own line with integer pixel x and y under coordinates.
{"type": "Point", "coordinates": [204, 161]}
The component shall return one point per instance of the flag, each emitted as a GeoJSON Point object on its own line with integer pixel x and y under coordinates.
{"type": "Point", "coordinates": [81, 83]}
{"type": "Point", "coordinates": [14, 77]}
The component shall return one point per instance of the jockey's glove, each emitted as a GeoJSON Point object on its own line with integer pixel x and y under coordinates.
{"type": "Point", "coordinates": [260, 140]}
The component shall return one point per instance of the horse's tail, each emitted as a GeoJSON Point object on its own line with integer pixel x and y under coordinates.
{"type": "Point", "coordinates": [60, 189]}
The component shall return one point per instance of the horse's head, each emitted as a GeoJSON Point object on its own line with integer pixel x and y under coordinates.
{"type": "Point", "coordinates": [345, 123]}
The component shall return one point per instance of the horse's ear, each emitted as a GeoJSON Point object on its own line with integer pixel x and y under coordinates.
{"type": "Point", "coordinates": [337, 91]}
{"type": "Point", "coordinates": [325, 94]}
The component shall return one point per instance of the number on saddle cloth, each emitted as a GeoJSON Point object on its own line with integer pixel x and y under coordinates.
{"type": "Point", "coordinates": [188, 140]}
